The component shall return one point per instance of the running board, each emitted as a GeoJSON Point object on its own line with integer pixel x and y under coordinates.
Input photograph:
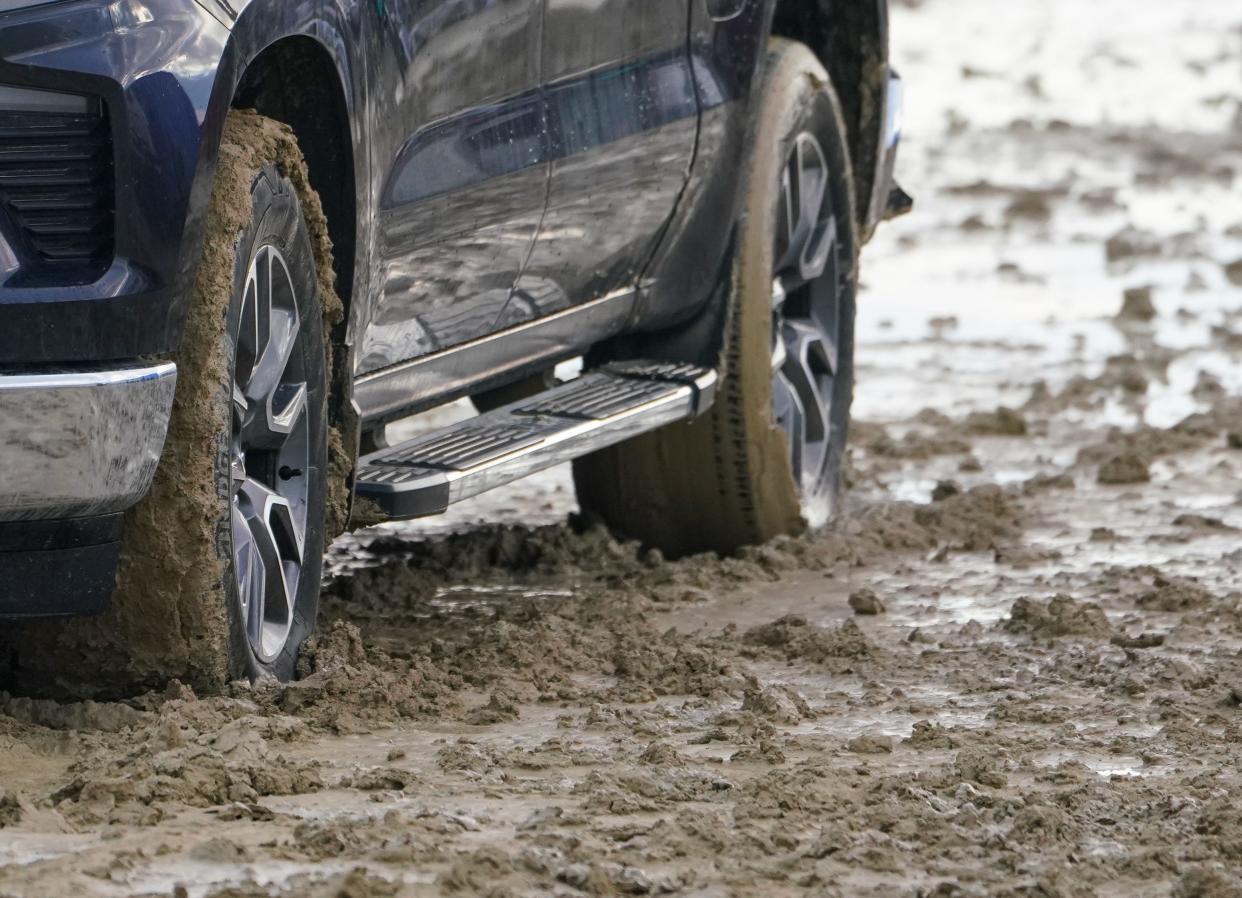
{"type": "Point", "coordinates": [599, 409]}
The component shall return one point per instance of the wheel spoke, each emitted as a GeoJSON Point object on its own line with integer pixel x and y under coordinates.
{"type": "Point", "coordinates": [819, 249]}
{"type": "Point", "coordinates": [806, 227]}
{"type": "Point", "coordinates": [790, 417]}
{"type": "Point", "coordinates": [812, 184]}
{"type": "Point", "coordinates": [244, 558]}
{"type": "Point", "coordinates": [806, 368]}
{"type": "Point", "coordinates": [273, 546]}
{"type": "Point", "coordinates": [274, 397]}
{"type": "Point", "coordinates": [240, 403]}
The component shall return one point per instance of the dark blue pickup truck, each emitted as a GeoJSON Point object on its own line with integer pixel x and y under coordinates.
{"type": "Point", "coordinates": [238, 238]}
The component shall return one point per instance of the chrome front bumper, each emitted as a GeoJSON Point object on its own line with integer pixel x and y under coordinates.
{"type": "Point", "coordinates": [82, 443]}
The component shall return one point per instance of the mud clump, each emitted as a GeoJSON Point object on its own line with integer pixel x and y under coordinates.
{"type": "Point", "coordinates": [973, 521]}
{"type": "Point", "coordinates": [1208, 388]}
{"type": "Point", "coordinates": [107, 717]}
{"type": "Point", "coordinates": [778, 703]}
{"type": "Point", "coordinates": [349, 687]}
{"type": "Point", "coordinates": [977, 766]}
{"type": "Point", "coordinates": [1043, 482]}
{"type": "Point", "coordinates": [1004, 422]}
{"type": "Point", "coordinates": [10, 809]}
{"type": "Point", "coordinates": [1124, 468]}
{"type": "Point", "coordinates": [1141, 641]}
{"type": "Point", "coordinates": [1233, 272]}
{"type": "Point", "coordinates": [870, 745]}
{"type": "Point", "coordinates": [796, 639]}
{"type": "Point", "coordinates": [1030, 205]}
{"type": "Point", "coordinates": [1200, 522]}
{"type": "Point", "coordinates": [189, 755]}
{"type": "Point", "coordinates": [1137, 305]}
{"type": "Point", "coordinates": [914, 444]}
{"type": "Point", "coordinates": [1150, 443]}
{"type": "Point", "coordinates": [1175, 594]}
{"type": "Point", "coordinates": [1207, 883]}
{"type": "Point", "coordinates": [1131, 243]}
{"type": "Point", "coordinates": [1056, 618]}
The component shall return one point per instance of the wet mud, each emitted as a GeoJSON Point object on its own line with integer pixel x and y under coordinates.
{"type": "Point", "coordinates": [1012, 667]}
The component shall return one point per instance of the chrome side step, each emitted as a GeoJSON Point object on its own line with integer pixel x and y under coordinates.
{"type": "Point", "coordinates": [601, 408]}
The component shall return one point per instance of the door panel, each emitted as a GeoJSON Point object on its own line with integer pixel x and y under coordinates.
{"type": "Point", "coordinates": [459, 145]}
{"type": "Point", "coordinates": [622, 120]}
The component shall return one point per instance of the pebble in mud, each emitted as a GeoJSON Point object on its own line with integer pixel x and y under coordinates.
{"type": "Point", "coordinates": [866, 602]}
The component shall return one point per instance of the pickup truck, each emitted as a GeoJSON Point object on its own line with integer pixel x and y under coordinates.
{"type": "Point", "coordinates": [240, 238]}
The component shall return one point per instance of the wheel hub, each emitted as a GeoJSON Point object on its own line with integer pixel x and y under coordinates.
{"type": "Point", "coordinates": [805, 312]}
{"type": "Point", "coordinates": [270, 454]}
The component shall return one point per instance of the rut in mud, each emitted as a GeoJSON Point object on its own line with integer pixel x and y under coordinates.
{"type": "Point", "coordinates": [1013, 667]}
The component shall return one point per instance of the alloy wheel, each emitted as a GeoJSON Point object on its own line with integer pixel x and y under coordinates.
{"type": "Point", "coordinates": [270, 454]}
{"type": "Point", "coordinates": [806, 308]}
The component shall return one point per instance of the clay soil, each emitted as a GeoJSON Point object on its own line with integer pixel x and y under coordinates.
{"type": "Point", "coordinates": [1012, 667]}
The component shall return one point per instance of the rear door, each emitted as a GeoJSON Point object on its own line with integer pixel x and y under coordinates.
{"type": "Point", "coordinates": [622, 123]}
{"type": "Point", "coordinates": [459, 148]}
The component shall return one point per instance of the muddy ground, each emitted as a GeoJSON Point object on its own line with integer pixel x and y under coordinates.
{"type": "Point", "coordinates": [1013, 668]}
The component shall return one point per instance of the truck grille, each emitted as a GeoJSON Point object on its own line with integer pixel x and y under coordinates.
{"type": "Point", "coordinates": [56, 189]}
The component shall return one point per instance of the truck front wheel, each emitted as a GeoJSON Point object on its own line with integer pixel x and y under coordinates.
{"type": "Point", "coordinates": [220, 564]}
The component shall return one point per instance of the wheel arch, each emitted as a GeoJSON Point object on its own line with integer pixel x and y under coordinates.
{"type": "Point", "coordinates": [298, 73]}
{"type": "Point", "coordinates": [295, 80]}
{"type": "Point", "coordinates": [850, 37]}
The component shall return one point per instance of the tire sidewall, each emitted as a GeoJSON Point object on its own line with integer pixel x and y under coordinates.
{"type": "Point", "coordinates": [277, 220]}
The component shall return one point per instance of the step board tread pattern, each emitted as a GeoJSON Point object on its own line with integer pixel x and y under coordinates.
{"type": "Point", "coordinates": [595, 400]}
{"type": "Point", "coordinates": [597, 409]}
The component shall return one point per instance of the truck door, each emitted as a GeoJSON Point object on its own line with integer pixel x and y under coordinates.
{"type": "Point", "coordinates": [459, 147]}
{"type": "Point", "coordinates": [623, 118]}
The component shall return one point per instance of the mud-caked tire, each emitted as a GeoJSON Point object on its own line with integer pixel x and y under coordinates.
{"type": "Point", "coordinates": [177, 611]}
{"type": "Point", "coordinates": [752, 469]}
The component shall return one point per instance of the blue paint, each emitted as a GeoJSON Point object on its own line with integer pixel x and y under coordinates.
{"type": "Point", "coordinates": [554, 123]}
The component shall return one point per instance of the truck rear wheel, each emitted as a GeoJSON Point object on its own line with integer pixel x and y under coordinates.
{"type": "Point", "coordinates": [767, 459]}
{"type": "Point", "coordinates": [220, 566]}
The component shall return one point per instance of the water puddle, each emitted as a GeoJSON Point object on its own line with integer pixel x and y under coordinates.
{"type": "Point", "coordinates": [1106, 767]}
{"type": "Point", "coordinates": [473, 598]}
